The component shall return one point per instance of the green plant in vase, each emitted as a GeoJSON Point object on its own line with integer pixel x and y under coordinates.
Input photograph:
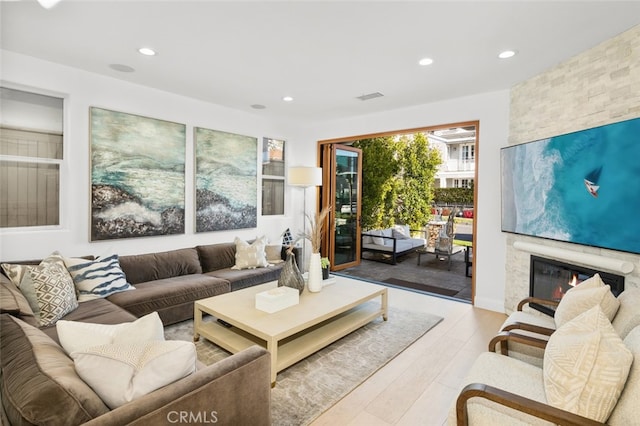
{"type": "Point", "coordinates": [324, 262]}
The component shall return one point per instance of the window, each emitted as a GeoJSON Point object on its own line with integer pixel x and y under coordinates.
{"type": "Point", "coordinates": [462, 183]}
{"type": "Point", "coordinates": [468, 152]}
{"type": "Point", "coordinates": [31, 146]}
{"type": "Point", "coordinates": [273, 166]}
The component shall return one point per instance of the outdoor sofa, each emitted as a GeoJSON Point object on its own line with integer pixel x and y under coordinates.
{"type": "Point", "coordinates": [390, 243]}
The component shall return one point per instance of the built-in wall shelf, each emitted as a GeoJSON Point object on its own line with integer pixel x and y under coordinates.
{"type": "Point", "coordinates": [590, 260]}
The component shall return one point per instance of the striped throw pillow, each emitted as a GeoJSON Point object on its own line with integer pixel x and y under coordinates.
{"type": "Point", "coordinates": [97, 278]}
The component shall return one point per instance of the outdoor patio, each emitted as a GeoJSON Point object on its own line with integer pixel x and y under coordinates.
{"type": "Point", "coordinates": [431, 276]}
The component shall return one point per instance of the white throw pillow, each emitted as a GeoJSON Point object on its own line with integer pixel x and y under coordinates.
{"type": "Point", "coordinates": [95, 279]}
{"type": "Point", "coordinates": [121, 372]}
{"type": "Point", "coordinates": [77, 336]}
{"type": "Point", "coordinates": [583, 297]}
{"type": "Point", "coordinates": [586, 365]}
{"type": "Point", "coordinates": [377, 240]}
{"type": "Point", "coordinates": [250, 256]}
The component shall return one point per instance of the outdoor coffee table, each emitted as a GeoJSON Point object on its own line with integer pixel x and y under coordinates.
{"type": "Point", "coordinates": [295, 332]}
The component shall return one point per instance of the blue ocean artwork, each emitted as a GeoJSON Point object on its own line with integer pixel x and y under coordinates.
{"type": "Point", "coordinates": [226, 180]}
{"type": "Point", "coordinates": [137, 175]}
{"type": "Point", "coordinates": [580, 187]}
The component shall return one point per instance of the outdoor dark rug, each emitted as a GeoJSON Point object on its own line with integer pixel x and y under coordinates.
{"type": "Point", "coordinates": [422, 287]}
{"type": "Point", "coordinates": [310, 387]}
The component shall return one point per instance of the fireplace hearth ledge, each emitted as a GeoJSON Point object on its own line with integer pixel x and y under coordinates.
{"type": "Point", "coordinates": [589, 260]}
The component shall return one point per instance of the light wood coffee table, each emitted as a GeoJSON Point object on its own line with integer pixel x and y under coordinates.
{"type": "Point", "coordinates": [295, 332]}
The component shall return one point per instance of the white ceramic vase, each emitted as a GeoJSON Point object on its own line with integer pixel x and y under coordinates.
{"type": "Point", "coordinates": [314, 282]}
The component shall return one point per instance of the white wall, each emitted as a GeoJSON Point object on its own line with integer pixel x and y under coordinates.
{"type": "Point", "coordinates": [492, 111]}
{"type": "Point", "coordinates": [83, 90]}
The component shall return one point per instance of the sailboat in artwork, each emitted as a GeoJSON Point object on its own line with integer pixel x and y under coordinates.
{"type": "Point", "coordinates": [591, 181]}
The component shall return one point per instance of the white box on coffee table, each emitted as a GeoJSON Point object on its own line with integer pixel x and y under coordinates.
{"type": "Point", "coordinates": [277, 299]}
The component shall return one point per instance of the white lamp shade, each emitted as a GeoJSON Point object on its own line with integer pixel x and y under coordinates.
{"type": "Point", "coordinates": [305, 176]}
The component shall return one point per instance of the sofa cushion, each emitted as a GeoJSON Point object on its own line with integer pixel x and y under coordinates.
{"type": "Point", "coordinates": [248, 277]}
{"type": "Point", "coordinates": [99, 311]}
{"type": "Point", "coordinates": [39, 382]}
{"type": "Point", "coordinates": [586, 365]}
{"type": "Point", "coordinates": [250, 255]}
{"type": "Point", "coordinates": [168, 295]}
{"type": "Point", "coordinates": [77, 336]}
{"type": "Point", "coordinates": [135, 369]}
{"type": "Point", "coordinates": [98, 278]}
{"type": "Point", "coordinates": [583, 297]}
{"type": "Point", "coordinates": [217, 256]}
{"type": "Point", "coordinates": [157, 266]}
{"type": "Point", "coordinates": [54, 291]}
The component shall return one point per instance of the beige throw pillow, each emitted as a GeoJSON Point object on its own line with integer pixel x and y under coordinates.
{"type": "Point", "coordinates": [585, 366]}
{"type": "Point", "coordinates": [583, 297]}
{"type": "Point", "coordinates": [250, 256]}
{"type": "Point", "coordinates": [120, 373]}
{"type": "Point", "coordinates": [274, 253]}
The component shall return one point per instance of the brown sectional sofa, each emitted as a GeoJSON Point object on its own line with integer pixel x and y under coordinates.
{"type": "Point", "coordinates": [35, 368]}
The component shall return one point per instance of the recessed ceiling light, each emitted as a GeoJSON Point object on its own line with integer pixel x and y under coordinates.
{"type": "Point", "coordinates": [506, 54]}
{"type": "Point", "coordinates": [48, 4]}
{"type": "Point", "coordinates": [121, 68]}
{"type": "Point", "coordinates": [287, 99]}
{"type": "Point", "coordinates": [147, 51]}
{"type": "Point", "coordinates": [425, 61]}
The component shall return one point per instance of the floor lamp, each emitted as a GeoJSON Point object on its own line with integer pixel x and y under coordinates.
{"type": "Point", "coordinates": [305, 177]}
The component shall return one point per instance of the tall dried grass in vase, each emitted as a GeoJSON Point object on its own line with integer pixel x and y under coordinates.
{"type": "Point", "coordinates": [317, 228]}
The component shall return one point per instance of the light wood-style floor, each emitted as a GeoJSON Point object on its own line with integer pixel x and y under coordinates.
{"type": "Point", "coordinates": [420, 385]}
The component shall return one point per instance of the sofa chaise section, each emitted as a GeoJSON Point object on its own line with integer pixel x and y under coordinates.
{"type": "Point", "coordinates": [39, 385]}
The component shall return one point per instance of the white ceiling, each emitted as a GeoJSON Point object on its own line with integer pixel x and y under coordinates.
{"type": "Point", "coordinates": [322, 53]}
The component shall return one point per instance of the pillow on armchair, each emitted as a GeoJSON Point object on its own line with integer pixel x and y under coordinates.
{"type": "Point", "coordinates": [586, 365]}
{"type": "Point", "coordinates": [584, 296]}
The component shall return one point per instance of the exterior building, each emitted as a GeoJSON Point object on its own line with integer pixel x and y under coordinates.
{"type": "Point", "coordinates": [457, 147]}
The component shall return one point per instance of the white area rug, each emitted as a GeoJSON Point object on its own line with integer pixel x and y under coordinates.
{"type": "Point", "coordinates": [308, 388]}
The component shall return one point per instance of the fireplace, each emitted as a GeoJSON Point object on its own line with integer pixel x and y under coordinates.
{"type": "Point", "coordinates": [550, 279]}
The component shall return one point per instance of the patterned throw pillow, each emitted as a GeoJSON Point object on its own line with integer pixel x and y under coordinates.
{"type": "Point", "coordinates": [15, 273]}
{"type": "Point", "coordinates": [287, 238]}
{"type": "Point", "coordinates": [586, 365]}
{"type": "Point", "coordinates": [250, 256]}
{"type": "Point", "coordinates": [55, 292]}
{"type": "Point", "coordinates": [95, 279]}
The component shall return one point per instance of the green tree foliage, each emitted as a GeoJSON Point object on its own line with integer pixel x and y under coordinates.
{"type": "Point", "coordinates": [397, 181]}
{"type": "Point", "coordinates": [454, 196]}
{"type": "Point", "coordinates": [380, 167]}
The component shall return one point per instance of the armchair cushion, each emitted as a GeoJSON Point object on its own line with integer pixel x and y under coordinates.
{"type": "Point", "coordinates": [584, 296]}
{"type": "Point", "coordinates": [628, 315]}
{"type": "Point", "coordinates": [626, 411]}
{"type": "Point", "coordinates": [586, 365]}
{"type": "Point", "coordinates": [505, 373]}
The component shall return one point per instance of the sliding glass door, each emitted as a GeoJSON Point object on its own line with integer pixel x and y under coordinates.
{"type": "Point", "coordinates": [345, 196]}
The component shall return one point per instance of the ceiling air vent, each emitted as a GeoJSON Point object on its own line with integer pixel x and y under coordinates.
{"type": "Point", "coordinates": [370, 96]}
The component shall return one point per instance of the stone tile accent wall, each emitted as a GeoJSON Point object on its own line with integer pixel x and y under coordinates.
{"type": "Point", "coordinates": [597, 87]}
